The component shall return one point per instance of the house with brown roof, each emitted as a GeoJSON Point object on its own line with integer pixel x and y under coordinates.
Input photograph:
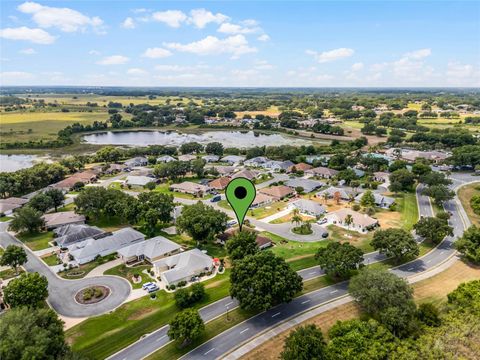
{"type": "Point", "coordinates": [219, 184]}
{"type": "Point", "coordinates": [9, 205]}
{"type": "Point", "coordinates": [84, 177]}
{"type": "Point", "coordinates": [261, 200]}
{"type": "Point", "coordinates": [246, 173]}
{"type": "Point", "coordinates": [322, 172]}
{"type": "Point", "coordinates": [278, 192]}
{"type": "Point", "coordinates": [188, 187]}
{"type": "Point", "coordinates": [351, 220]}
{"type": "Point", "coordinates": [299, 167]}
{"type": "Point", "coordinates": [58, 219]}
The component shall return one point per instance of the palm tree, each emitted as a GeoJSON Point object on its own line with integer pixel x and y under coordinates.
{"type": "Point", "coordinates": [348, 221]}
{"type": "Point", "coordinates": [325, 197]}
{"type": "Point", "coordinates": [296, 218]}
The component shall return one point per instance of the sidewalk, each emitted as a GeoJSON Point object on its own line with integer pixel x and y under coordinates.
{"type": "Point", "coordinates": [99, 270]}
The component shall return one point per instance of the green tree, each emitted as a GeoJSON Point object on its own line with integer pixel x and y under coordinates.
{"type": "Point", "coordinates": [252, 279]}
{"type": "Point", "coordinates": [368, 199]}
{"type": "Point", "coordinates": [428, 314]}
{"type": "Point", "coordinates": [348, 220]}
{"type": "Point", "coordinates": [191, 147]}
{"type": "Point", "coordinates": [401, 180]}
{"type": "Point", "coordinates": [435, 178]}
{"type": "Point", "coordinates": [30, 289]}
{"type": "Point", "coordinates": [439, 193]}
{"type": "Point", "coordinates": [108, 154]}
{"type": "Point", "coordinates": [466, 297]}
{"type": "Point", "coordinates": [469, 244]}
{"type": "Point", "coordinates": [241, 244]}
{"type": "Point", "coordinates": [41, 202]}
{"type": "Point", "coordinates": [57, 197]}
{"type": "Point", "coordinates": [155, 207]}
{"type": "Point", "coordinates": [385, 297]}
{"type": "Point", "coordinates": [433, 229]}
{"type": "Point", "coordinates": [202, 222]}
{"type": "Point", "coordinates": [395, 243]}
{"type": "Point", "coordinates": [182, 298]}
{"type": "Point", "coordinates": [475, 204]}
{"type": "Point", "coordinates": [198, 167]}
{"type": "Point", "coordinates": [420, 168]}
{"type": "Point", "coordinates": [339, 260]}
{"type": "Point", "coordinates": [13, 256]}
{"type": "Point", "coordinates": [32, 334]}
{"type": "Point", "coordinates": [27, 219]}
{"type": "Point", "coordinates": [186, 326]}
{"type": "Point", "coordinates": [304, 343]}
{"type": "Point", "coordinates": [397, 165]}
{"type": "Point", "coordinates": [215, 148]}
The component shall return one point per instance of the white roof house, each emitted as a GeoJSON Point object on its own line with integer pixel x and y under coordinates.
{"type": "Point", "coordinates": [233, 159]}
{"type": "Point", "coordinates": [165, 159]}
{"type": "Point", "coordinates": [183, 266]}
{"type": "Point", "coordinates": [361, 223]}
{"type": "Point", "coordinates": [211, 158]}
{"type": "Point", "coordinates": [136, 161]}
{"type": "Point", "coordinates": [345, 193]}
{"type": "Point", "coordinates": [150, 250]}
{"type": "Point", "coordinates": [87, 250]}
{"type": "Point", "coordinates": [277, 165]}
{"type": "Point", "coordinates": [308, 185]}
{"type": "Point", "coordinates": [134, 180]}
{"type": "Point", "coordinates": [256, 161]}
{"type": "Point", "coordinates": [380, 200]}
{"type": "Point", "coordinates": [307, 207]}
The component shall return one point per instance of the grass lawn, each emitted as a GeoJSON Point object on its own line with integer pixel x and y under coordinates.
{"type": "Point", "coordinates": [50, 260]}
{"type": "Point", "coordinates": [80, 272]}
{"type": "Point", "coordinates": [127, 273]}
{"type": "Point", "coordinates": [36, 241]}
{"type": "Point", "coordinates": [407, 206]}
{"type": "Point", "coordinates": [361, 241]}
{"type": "Point", "coordinates": [164, 189]}
{"type": "Point", "coordinates": [270, 209]}
{"type": "Point", "coordinates": [101, 336]}
{"type": "Point", "coordinates": [107, 223]}
{"type": "Point", "coordinates": [9, 273]}
{"type": "Point", "coordinates": [5, 218]}
{"type": "Point", "coordinates": [465, 193]}
{"type": "Point", "coordinates": [69, 207]}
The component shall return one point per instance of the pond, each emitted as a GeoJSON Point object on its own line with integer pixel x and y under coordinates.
{"type": "Point", "coordinates": [238, 139]}
{"type": "Point", "coordinates": [11, 163]}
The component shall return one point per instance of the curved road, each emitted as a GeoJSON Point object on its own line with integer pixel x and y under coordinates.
{"type": "Point", "coordinates": [62, 291]}
{"type": "Point", "coordinates": [155, 340]}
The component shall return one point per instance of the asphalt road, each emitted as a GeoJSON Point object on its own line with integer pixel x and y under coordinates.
{"type": "Point", "coordinates": [155, 340]}
{"type": "Point", "coordinates": [62, 291]}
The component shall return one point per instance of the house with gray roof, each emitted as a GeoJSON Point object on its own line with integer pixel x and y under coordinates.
{"type": "Point", "coordinates": [344, 192]}
{"type": "Point", "coordinates": [140, 181]}
{"type": "Point", "coordinates": [277, 165]}
{"type": "Point", "coordinates": [308, 185]}
{"type": "Point", "coordinates": [307, 207]}
{"type": "Point", "coordinates": [136, 162]}
{"type": "Point", "coordinates": [87, 250]}
{"type": "Point", "coordinates": [67, 235]}
{"type": "Point", "coordinates": [211, 158]}
{"type": "Point", "coordinates": [9, 205]}
{"type": "Point", "coordinates": [165, 159]}
{"type": "Point", "coordinates": [381, 201]}
{"type": "Point", "coordinates": [233, 159]}
{"type": "Point", "coordinates": [183, 266]}
{"type": "Point", "coordinates": [54, 220]}
{"type": "Point", "coordinates": [149, 250]}
{"type": "Point", "coordinates": [323, 172]}
{"type": "Point", "coordinates": [256, 161]}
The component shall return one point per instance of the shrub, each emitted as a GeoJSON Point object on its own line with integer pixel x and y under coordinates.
{"type": "Point", "coordinates": [172, 287]}
{"type": "Point", "coordinates": [356, 207]}
{"type": "Point", "coordinates": [98, 292]}
{"type": "Point", "coordinates": [181, 283]}
{"type": "Point", "coordinates": [429, 314]}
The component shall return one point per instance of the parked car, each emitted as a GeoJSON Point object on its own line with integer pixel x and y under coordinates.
{"type": "Point", "coordinates": [231, 223]}
{"type": "Point", "coordinates": [325, 235]}
{"type": "Point", "coordinates": [153, 288]}
{"type": "Point", "coordinates": [216, 198]}
{"type": "Point", "coordinates": [147, 285]}
{"type": "Point", "coordinates": [322, 221]}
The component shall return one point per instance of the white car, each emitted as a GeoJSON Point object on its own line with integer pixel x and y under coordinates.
{"type": "Point", "coordinates": [147, 285]}
{"type": "Point", "coordinates": [231, 223]}
{"type": "Point", "coordinates": [321, 221]}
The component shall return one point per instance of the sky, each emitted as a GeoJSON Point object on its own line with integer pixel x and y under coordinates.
{"type": "Point", "coordinates": [240, 43]}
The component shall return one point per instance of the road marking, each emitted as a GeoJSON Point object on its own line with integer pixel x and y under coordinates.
{"type": "Point", "coordinates": [333, 292]}
{"type": "Point", "coordinates": [441, 252]}
{"type": "Point", "coordinates": [275, 314]}
{"type": "Point", "coordinates": [306, 301]}
{"type": "Point", "coordinates": [160, 338]}
{"type": "Point", "coordinates": [241, 332]}
{"type": "Point", "coordinates": [312, 272]}
{"type": "Point", "coordinates": [230, 303]}
{"type": "Point", "coordinates": [428, 261]}
{"type": "Point", "coordinates": [410, 269]}
{"type": "Point", "coordinates": [209, 351]}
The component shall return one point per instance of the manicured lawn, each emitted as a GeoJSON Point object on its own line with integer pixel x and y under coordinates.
{"type": "Point", "coordinates": [407, 206]}
{"type": "Point", "coordinates": [103, 335]}
{"type": "Point", "coordinates": [465, 193]}
{"type": "Point", "coordinates": [107, 223]}
{"type": "Point", "coordinates": [9, 273]}
{"type": "Point", "coordinates": [270, 209]}
{"type": "Point", "coordinates": [164, 189]}
{"type": "Point", "coordinates": [127, 273]}
{"type": "Point", "coordinates": [80, 272]}
{"type": "Point", "coordinates": [361, 241]}
{"type": "Point", "coordinates": [5, 218]}
{"type": "Point", "coordinates": [50, 260]}
{"type": "Point", "coordinates": [69, 207]}
{"type": "Point", "coordinates": [36, 241]}
{"type": "Point", "coordinates": [303, 262]}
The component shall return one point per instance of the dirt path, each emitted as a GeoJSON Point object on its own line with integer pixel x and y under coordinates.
{"type": "Point", "coordinates": [433, 289]}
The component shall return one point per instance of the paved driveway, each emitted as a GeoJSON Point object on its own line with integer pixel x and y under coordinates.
{"type": "Point", "coordinates": [62, 291]}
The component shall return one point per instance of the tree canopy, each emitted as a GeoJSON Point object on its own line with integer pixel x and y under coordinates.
{"type": "Point", "coordinates": [433, 229]}
{"type": "Point", "coordinates": [339, 260]}
{"type": "Point", "coordinates": [27, 290]}
{"type": "Point", "coordinates": [398, 244]}
{"type": "Point", "coordinates": [469, 244]}
{"type": "Point", "coordinates": [27, 219]}
{"type": "Point", "coordinates": [186, 326]}
{"type": "Point", "coordinates": [304, 343]}
{"type": "Point", "coordinates": [13, 256]}
{"type": "Point", "coordinates": [242, 244]}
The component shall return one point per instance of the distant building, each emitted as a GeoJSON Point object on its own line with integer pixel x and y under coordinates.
{"type": "Point", "coordinates": [54, 220]}
{"type": "Point", "coordinates": [149, 250]}
{"type": "Point", "coordinates": [136, 162]}
{"type": "Point", "coordinates": [187, 157]}
{"type": "Point", "coordinates": [211, 158]}
{"type": "Point", "coordinates": [299, 167]}
{"type": "Point", "coordinates": [165, 159]}
{"type": "Point", "coordinates": [256, 161]}
{"type": "Point", "coordinates": [9, 205]}
{"type": "Point", "coordinates": [308, 185]}
{"type": "Point", "coordinates": [261, 200]}
{"type": "Point", "coordinates": [322, 172]}
{"type": "Point", "coordinates": [219, 184]}
{"type": "Point", "coordinates": [343, 192]}
{"type": "Point", "coordinates": [248, 174]}
{"type": "Point", "coordinates": [307, 207]}
{"type": "Point", "coordinates": [233, 159]}
{"type": "Point", "coordinates": [191, 188]}
{"type": "Point", "coordinates": [381, 201]}
{"type": "Point", "coordinates": [278, 192]}
{"type": "Point", "coordinates": [140, 181]}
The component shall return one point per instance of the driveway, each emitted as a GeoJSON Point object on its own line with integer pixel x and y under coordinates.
{"type": "Point", "coordinates": [62, 291]}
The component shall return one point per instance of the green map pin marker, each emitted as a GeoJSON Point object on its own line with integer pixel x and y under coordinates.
{"type": "Point", "coordinates": [240, 194]}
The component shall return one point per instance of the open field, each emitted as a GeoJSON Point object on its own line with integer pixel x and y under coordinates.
{"type": "Point", "coordinates": [433, 289]}
{"type": "Point", "coordinates": [272, 111]}
{"type": "Point", "coordinates": [465, 193]}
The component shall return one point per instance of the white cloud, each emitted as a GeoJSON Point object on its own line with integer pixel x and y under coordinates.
{"type": "Point", "coordinates": [357, 66]}
{"type": "Point", "coordinates": [263, 37]}
{"type": "Point", "coordinates": [14, 77]}
{"type": "Point", "coordinates": [412, 66]}
{"type": "Point", "coordinates": [236, 45]}
{"type": "Point", "coordinates": [201, 17]}
{"type": "Point", "coordinates": [113, 60]}
{"type": "Point", "coordinates": [462, 74]}
{"type": "Point", "coordinates": [65, 19]}
{"type": "Point", "coordinates": [418, 54]}
{"type": "Point", "coordinates": [136, 72]}
{"type": "Point", "coordinates": [156, 53]}
{"type": "Point", "coordinates": [37, 36]}
{"type": "Point", "coordinates": [229, 28]}
{"type": "Point", "coordinates": [331, 55]}
{"type": "Point", "coordinates": [180, 68]}
{"type": "Point", "coordinates": [172, 18]}
{"type": "Point", "coordinates": [28, 51]}
{"type": "Point", "coordinates": [128, 23]}
{"type": "Point", "coordinates": [263, 65]}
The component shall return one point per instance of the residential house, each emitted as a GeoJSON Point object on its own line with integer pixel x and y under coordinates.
{"type": "Point", "coordinates": [246, 173]}
{"type": "Point", "coordinates": [274, 165]}
{"type": "Point", "coordinates": [261, 200]}
{"type": "Point", "coordinates": [165, 159]}
{"type": "Point", "coordinates": [343, 192]}
{"type": "Point", "coordinates": [136, 162]}
{"type": "Point", "coordinates": [278, 192]}
{"type": "Point", "coordinates": [263, 242]}
{"type": "Point", "coordinates": [411, 155]}
{"type": "Point", "coordinates": [114, 169]}
{"type": "Point", "coordinates": [149, 250]}
{"type": "Point", "coordinates": [187, 157]}
{"type": "Point", "coordinates": [54, 220]}
{"type": "Point", "coordinates": [222, 170]}
{"type": "Point", "coordinates": [307, 207]}
{"type": "Point", "coordinates": [322, 172]}
{"type": "Point", "coordinates": [308, 185]}
{"type": "Point", "coordinates": [9, 205]}
{"type": "Point", "coordinates": [87, 250]}
{"type": "Point", "coordinates": [299, 167]}
{"type": "Point", "coordinates": [381, 176]}
{"type": "Point", "coordinates": [188, 187]}
{"type": "Point", "coordinates": [256, 161]}
{"type": "Point", "coordinates": [67, 235]}
{"type": "Point", "coordinates": [211, 158]}
{"type": "Point", "coordinates": [84, 177]}
{"type": "Point", "coordinates": [361, 223]}
{"type": "Point", "coordinates": [183, 266]}
{"type": "Point", "coordinates": [323, 159]}
{"type": "Point", "coordinates": [234, 160]}
{"type": "Point", "coordinates": [219, 184]}
{"type": "Point", "coordinates": [138, 181]}
{"type": "Point", "coordinates": [381, 201]}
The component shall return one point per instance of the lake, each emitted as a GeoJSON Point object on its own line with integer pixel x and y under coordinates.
{"type": "Point", "coordinates": [10, 163]}
{"type": "Point", "coordinates": [238, 139]}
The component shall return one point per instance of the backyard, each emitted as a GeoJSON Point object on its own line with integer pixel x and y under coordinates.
{"type": "Point", "coordinates": [36, 241]}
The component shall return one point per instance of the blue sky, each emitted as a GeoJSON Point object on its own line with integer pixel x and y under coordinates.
{"type": "Point", "coordinates": [233, 43]}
